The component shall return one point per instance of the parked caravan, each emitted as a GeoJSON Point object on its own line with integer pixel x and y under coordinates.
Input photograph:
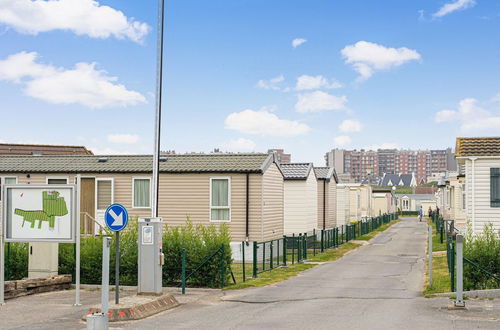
{"type": "Point", "coordinates": [327, 196]}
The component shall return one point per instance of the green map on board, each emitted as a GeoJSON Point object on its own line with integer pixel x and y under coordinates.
{"type": "Point", "coordinates": [52, 206]}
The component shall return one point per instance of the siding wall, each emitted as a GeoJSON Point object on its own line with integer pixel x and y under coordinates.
{"type": "Point", "coordinates": [484, 213]}
{"type": "Point", "coordinates": [273, 203]}
{"type": "Point", "coordinates": [183, 195]}
{"type": "Point", "coordinates": [332, 204]}
{"type": "Point", "coordinates": [343, 205]}
{"type": "Point", "coordinates": [323, 189]}
{"type": "Point", "coordinates": [301, 202]}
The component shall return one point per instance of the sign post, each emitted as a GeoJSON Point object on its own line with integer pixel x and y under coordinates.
{"type": "Point", "coordinates": [116, 218]}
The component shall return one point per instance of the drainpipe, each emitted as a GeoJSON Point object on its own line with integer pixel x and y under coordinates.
{"type": "Point", "coordinates": [247, 230]}
{"type": "Point", "coordinates": [324, 204]}
{"type": "Point", "coordinates": [473, 188]}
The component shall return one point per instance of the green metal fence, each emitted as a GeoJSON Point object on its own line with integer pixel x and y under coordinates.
{"type": "Point", "coordinates": [295, 248]}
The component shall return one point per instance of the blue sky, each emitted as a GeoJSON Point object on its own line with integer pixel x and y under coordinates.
{"type": "Point", "coordinates": [408, 74]}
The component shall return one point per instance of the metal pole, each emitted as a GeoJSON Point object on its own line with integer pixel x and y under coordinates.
{"type": "Point", "coordinates": [106, 242]}
{"type": "Point", "coordinates": [243, 259]}
{"type": "Point", "coordinates": [430, 255]}
{"type": "Point", "coordinates": [183, 271]}
{"type": "Point", "coordinates": [77, 240]}
{"type": "Point", "coordinates": [117, 268]}
{"type": "Point", "coordinates": [159, 81]}
{"type": "Point", "coordinates": [459, 302]}
{"type": "Point", "coordinates": [2, 269]}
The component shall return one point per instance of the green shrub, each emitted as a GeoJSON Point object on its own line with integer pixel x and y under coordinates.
{"type": "Point", "coordinates": [200, 241]}
{"type": "Point", "coordinates": [16, 261]}
{"type": "Point", "coordinates": [484, 250]}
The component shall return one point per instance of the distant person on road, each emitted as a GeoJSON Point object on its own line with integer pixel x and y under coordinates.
{"type": "Point", "coordinates": [430, 212]}
{"type": "Point", "coordinates": [437, 211]}
{"type": "Point", "coordinates": [420, 213]}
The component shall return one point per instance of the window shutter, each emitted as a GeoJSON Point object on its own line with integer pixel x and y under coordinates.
{"type": "Point", "coordinates": [495, 187]}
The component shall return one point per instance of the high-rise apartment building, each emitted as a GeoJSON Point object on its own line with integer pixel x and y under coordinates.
{"type": "Point", "coordinates": [363, 165]}
{"type": "Point", "coordinates": [282, 157]}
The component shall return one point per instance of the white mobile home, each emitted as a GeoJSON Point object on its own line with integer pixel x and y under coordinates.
{"type": "Point", "coordinates": [327, 196]}
{"type": "Point", "coordinates": [343, 204]}
{"type": "Point", "coordinates": [480, 159]}
{"type": "Point", "coordinates": [301, 198]}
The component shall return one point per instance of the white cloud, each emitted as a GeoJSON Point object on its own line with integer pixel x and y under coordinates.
{"type": "Point", "coordinates": [319, 101]}
{"type": "Point", "coordinates": [350, 126]}
{"type": "Point", "coordinates": [263, 123]}
{"type": "Point", "coordinates": [471, 116]}
{"type": "Point", "coordinates": [240, 144]}
{"type": "Point", "coordinates": [305, 82]}
{"type": "Point", "coordinates": [342, 140]}
{"type": "Point", "coordinates": [123, 138]}
{"type": "Point", "coordinates": [109, 151]}
{"type": "Point", "coordinates": [368, 57]}
{"type": "Point", "coordinates": [387, 145]}
{"type": "Point", "coordinates": [451, 7]}
{"type": "Point", "coordinates": [82, 17]}
{"type": "Point", "coordinates": [83, 84]}
{"type": "Point", "coordinates": [272, 83]}
{"type": "Point", "coordinates": [297, 42]}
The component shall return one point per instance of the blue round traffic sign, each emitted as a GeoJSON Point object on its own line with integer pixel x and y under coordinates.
{"type": "Point", "coordinates": [116, 217]}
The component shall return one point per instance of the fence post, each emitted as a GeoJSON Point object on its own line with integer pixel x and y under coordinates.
{"type": "Point", "coordinates": [322, 240]}
{"type": "Point", "coordinates": [222, 267]}
{"type": "Point", "coordinates": [305, 246]}
{"type": "Point", "coordinates": [263, 256]}
{"type": "Point", "coordinates": [254, 259]}
{"type": "Point", "coordinates": [459, 301]}
{"type": "Point", "coordinates": [293, 248]}
{"type": "Point", "coordinates": [452, 260]}
{"type": "Point", "coordinates": [299, 247]}
{"type": "Point", "coordinates": [183, 271]}
{"type": "Point", "coordinates": [243, 259]}
{"type": "Point", "coordinates": [430, 255]}
{"type": "Point", "coordinates": [285, 251]}
{"type": "Point", "coordinates": [271, 259]}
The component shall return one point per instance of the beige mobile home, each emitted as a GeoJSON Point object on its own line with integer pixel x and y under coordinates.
{"type": "Point", "coordinates": [343, 204]}
{"type": "Point", "coordinates": [382, 201]}
{"type": "Point", "coordinates": [243, 190]}
{"type": "Point", "coordinates": [327, 196]}
{"type": "Point", "coordinates": [479, 157]}
{"type": "Point", "coordinates": [301, 198]}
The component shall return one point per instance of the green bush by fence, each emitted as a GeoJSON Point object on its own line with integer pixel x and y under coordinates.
{"type": "Point", "coordinates": [16, 261]}
{"type": "Point", "coordinates": [483, 249]}
{"type": "Point", "coordinates": [409, 213]}
{"type": "Point", "coordinates": [200, 241]}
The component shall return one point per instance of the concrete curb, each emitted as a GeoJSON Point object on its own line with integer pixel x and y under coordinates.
{"type": "Point", "coordinates": [492, 293]}
{"type": "Point", "coordinates": [138, 311]}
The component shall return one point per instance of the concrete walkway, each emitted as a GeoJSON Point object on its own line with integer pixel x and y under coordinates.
{"type": "Point", "coordinates": [377, 286]}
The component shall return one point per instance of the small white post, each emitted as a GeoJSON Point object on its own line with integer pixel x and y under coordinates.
{"type": "Point", "coordinates": [106, 243]}
{"type": "Point", "coordinates": [430, 255]}
{"type": "Point", "coordinates": [459, 301]}
{"type": "Point", "coordinates": [77, 241]}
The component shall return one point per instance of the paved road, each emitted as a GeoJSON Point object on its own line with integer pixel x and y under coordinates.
{"type": "Point", "coordinates": [376, 287]}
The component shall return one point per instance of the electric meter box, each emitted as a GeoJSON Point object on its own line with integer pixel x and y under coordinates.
{"type": "Point", "coordinates": [150, 254]}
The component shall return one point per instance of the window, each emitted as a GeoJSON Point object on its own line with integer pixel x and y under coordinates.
{"type": "Point", "coordinates": [406, 205]}
{"type": "Point", "coordinates": [495, 187]}
{"type": "Point", "coordinates": [464, 200]}
{"type": "Point", "coordinates": [220, 199]}
{"type": "Point", "coordinates": [104, 196]}
{"type": "Point", "coordinates": [57, 180]}
{"type": "Point", "coordinates": [6, 180]}
{"type": "Point", "coordinates": [142, 191]}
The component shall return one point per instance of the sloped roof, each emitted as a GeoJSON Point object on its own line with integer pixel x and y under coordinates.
{"type": "Point", "coordinates": [395, 179]}
{"type": "Point", "coordinates": [420, 196]}
{"type": "Point", "coordinates": [245, 163]}
{"type": "Point", "coordinates": [477, 146]}
{"type": "Point", "coordinates": [42, 149]}
{"type": "Point", "coordinates": [296, 171]}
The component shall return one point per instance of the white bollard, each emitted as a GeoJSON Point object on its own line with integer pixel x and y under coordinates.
{"type": "Point", "coordinates": [99, 321]}
{"type": "Point", "coordinates": [459, 301]}
{"type": "Point", "coordinates": [430, 255]}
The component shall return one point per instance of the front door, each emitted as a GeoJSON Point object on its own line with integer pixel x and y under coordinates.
{"type": "Point", "coordinates": [87, 205]}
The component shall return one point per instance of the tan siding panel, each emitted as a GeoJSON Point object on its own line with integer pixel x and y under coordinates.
{"type": "Point", "coordinates": [272, 188]}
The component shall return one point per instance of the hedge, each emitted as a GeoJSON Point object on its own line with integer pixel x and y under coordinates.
{"type": "Point", "coordinates": [16, 261]}
{"type": "Point", "coordinates": [200, 241]}
{"type": "Point", "coordinates": [484, 250]}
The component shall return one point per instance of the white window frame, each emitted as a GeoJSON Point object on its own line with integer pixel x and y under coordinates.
{"type": "Point", "coordinates": [2, 183]}
{"type": "Point", "coordinates": [210, 207]}
{"type": "Point", "coordinates": [133, 192]}
{"type": "Point", "coordinates": [112, 192]}
{"type": "Point", "coordinates": [56, 178]}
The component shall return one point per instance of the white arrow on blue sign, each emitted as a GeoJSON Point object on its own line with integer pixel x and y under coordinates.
{"type": "Point", "coordinates": [116, 217]}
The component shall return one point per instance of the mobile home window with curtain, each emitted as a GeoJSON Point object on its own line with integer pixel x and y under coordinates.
{"type": "Point", "coordinates": [495, 187]}
{"type": "Point", "coordinates": [142, 193]}
{"type": "Point", "coordinates": [220, 208]}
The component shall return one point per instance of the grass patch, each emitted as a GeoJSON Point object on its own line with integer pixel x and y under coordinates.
{"type": "Point", "coordinates": [440, 277]}
{"type": "Point", "coordinates": [376, 231]}
{"type": "Point", "coordinates": [436, 243]}
{"type": "Point", "coordinates": [266, 278]}
{"type": "Point", "coordinates": [333, 254]}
